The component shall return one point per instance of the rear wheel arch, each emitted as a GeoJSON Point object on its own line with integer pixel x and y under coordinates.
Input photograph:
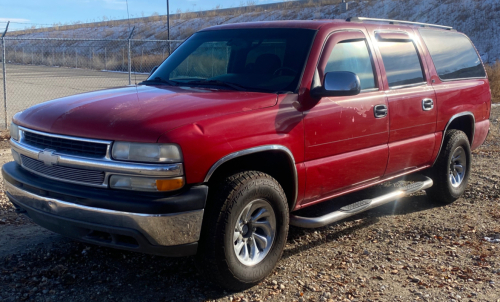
{"type": "Point", "coordinates": [275, 160]}
{"type": "Point", "coordinates": [463, 121]}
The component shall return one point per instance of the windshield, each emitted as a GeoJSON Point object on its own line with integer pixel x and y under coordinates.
{"type": "Point", "coordinates": [268, 60]}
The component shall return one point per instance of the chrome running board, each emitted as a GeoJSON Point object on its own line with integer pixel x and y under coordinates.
{"type": "Point", "coordinates": [358, 207]}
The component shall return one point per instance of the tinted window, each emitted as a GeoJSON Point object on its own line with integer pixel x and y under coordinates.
{"type": "Point", "coordinates": [268, 60]}
{"type": "Point", "coordinates": [208, 60]}
{"type": "Point", "coordinates": [401, 62]}
{"type": "Point", "coordinates": [354, 57]}
{"type": "Point", "coordinates": [269, 46]}
{"type": "Point", "coordinates": [453, 55]}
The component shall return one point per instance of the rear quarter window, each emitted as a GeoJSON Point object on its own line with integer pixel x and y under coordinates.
{"type": "Point", "coordinates": [453, 55]}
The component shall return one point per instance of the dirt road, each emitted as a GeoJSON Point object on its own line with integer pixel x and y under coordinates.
{"type": "Point", "coordinates": [410, 250]}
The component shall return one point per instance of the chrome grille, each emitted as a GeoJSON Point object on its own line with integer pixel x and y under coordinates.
{"type": "Point", "coordinates": [66, 146]}
{"type": "Point", "coordinates": [64, 173]}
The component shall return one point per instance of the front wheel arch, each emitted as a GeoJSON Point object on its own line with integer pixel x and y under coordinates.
{"type": "Point", "coordinates": [275, 160]}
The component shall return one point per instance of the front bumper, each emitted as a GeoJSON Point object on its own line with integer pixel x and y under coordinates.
{"type": "Point", "coordinates": [169, 226]}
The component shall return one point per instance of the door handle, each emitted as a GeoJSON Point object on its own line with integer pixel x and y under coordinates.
{"type": "Point", "coordinates": [380, 111]}
{"type": "Point", "coordinates": [427, 104]}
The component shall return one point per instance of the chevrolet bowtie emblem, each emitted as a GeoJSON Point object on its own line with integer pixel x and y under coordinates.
{"type": "Point", "coordinates": [48, 157]}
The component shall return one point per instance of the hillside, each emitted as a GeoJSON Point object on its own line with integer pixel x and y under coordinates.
{"type": "Point", "coordinates": [480, 20]}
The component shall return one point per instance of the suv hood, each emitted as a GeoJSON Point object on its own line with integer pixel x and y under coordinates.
{"type": "Point", "coordinates": [139, 113]}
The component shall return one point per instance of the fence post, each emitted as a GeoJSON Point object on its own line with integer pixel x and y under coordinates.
{"type": "Point", "coordinates": [130, 58]}
{"type": "Point", "coordinates": [53, 57]}
{"type": "Point", "coordinates": [76, 58]}
{"type": "Point", "coordinates": [32, 58]}
{"type": "Point", "coordinates": [23, 55]}
{"type": "Point", "coordinates": [142, 58]}
{"type": "Point", "coordinates": [129, 65]}
{"type": "Point", "coordinates": [105, 59]}
{"type": "Point", "coordinates": [4, 74]}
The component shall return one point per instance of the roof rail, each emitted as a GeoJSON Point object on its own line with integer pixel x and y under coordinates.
{"type": "Point", "coordinates": [361, 19]}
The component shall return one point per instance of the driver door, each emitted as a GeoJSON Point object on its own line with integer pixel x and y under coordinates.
{"type": "Point", "coordinates": [346, 137]}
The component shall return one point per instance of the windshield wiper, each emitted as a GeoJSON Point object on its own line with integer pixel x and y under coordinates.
{"type": "Point", "coordinates": [159, 80]}
{"type": "Point", "coordinates": [217, 83]}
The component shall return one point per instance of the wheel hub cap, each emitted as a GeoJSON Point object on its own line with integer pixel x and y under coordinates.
{"type": "Point", "coordinates": [458, 166]}
{"type": "Point", "coordinates": [244, 230]}
{"type": "Point", "coordinates": [254, 232]}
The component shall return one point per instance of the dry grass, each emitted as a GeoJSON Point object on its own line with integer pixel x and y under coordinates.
{"type": "Point", "coordinates": [494, 77]}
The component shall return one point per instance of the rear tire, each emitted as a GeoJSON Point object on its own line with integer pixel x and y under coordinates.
{"type": "Point", "coordinates": [244, 230]}
{"type": "Point", "coordinates": [452, 169]}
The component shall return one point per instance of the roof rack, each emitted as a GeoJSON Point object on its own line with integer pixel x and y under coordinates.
{"type": "Point", "coordinates": [361, 19]}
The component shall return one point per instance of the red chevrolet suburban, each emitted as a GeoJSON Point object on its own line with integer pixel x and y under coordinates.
{"type": "Point", "coordinates": [243, 125]}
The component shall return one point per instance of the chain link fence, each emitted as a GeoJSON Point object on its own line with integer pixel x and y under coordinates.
{"type": "Point", "coordinates": [41, 69]}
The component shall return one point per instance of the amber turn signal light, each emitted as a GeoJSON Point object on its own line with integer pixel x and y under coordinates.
{"type": "Point", "coordinates": [170, 184]}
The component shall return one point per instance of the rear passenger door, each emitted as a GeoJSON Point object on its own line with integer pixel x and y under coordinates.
{"type": "Point", "coordinates": [411, 99]}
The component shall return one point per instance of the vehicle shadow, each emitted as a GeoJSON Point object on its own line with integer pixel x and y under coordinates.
{"type": "Point", "coordinates": [411, 204]}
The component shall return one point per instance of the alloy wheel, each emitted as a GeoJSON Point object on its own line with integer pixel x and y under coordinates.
{"type": "Point", "coordinates": [458, 167]}
{"type": "Point", "coordinates": [254, 232]}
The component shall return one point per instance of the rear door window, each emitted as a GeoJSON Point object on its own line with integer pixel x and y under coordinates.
{"type": "Point", "coordinates": [402, 63]}
{"type": "Point", "coordinates": [453, 54]}
{"type": "Point", "coordinates": [353, 56]}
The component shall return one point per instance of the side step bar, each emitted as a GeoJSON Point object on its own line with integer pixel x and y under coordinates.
{"type": "Point", "coordinates": [358, 207]}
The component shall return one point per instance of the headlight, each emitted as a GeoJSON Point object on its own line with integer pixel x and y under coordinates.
{"type": "Point", "coordinates": [14, 131]}
{"type": "Point", "coordinates": [135, 183]}
{"type": "Point", "coordinates": [156, 153]}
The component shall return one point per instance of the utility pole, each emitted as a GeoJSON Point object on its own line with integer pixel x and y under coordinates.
{"type": "Point", "coordinates": [168, 22]}
{"type": "Point", "coordinates": [168, 27]}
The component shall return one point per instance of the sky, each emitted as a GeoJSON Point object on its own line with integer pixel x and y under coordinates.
{"type": "Point", "coordinates": [26, 13]}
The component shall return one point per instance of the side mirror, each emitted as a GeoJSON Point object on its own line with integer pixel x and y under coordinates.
{"type": "Point", "coordinates": [153, 70]}
{"type": "Point", "coordinates": [338, 83]}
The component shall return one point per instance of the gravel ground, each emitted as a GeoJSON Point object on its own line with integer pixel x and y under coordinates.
{"type": "Point", "coordinates": [411, 250]}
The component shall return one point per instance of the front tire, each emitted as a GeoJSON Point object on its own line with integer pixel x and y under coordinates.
{"type": "Point", "coordinates": [244, 231]}
{"type": "Point", "coordinates": [452, 169]}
